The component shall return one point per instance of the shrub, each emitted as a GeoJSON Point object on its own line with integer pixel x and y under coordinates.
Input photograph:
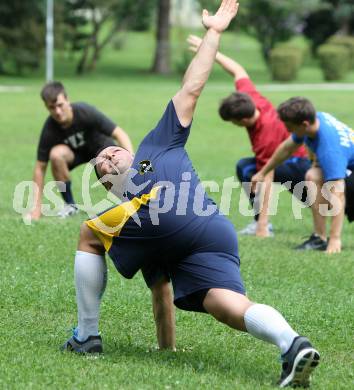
{"type": "Point", "coordinates": [345, 41]}
{"type": "Point", "coordinates": [285, 62]}
{"type": "Point", "coordinates": [334, 60]}
{"type": "Point", "coordinates": [303, 49]}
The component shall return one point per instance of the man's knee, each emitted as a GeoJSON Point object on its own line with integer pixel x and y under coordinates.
{"type": "Point", "coordinates": [313, 174]}
{"type": "Point", "coordinates": [226, 306]}
{"type": "Point", "coordinates": [245, 169]}
{"type": "Point", "coordinates": [88, 241]}
{"type": "Point", "coordinates": [60, 153]}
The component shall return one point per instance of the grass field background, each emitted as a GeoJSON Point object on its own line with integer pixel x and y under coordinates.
{"type": "Point", "coordinates": [37, 306]}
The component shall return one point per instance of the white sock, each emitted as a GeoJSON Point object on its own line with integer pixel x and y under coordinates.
{"type": "Point", "coordinates": [90, 282]}
{"type": "Point", "coordinates": [269, 325]}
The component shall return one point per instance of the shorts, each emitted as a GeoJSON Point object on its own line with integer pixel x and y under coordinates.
{"type": "Point", "coordinates": [213, 263]}
{"type": "Point", "coordinates": [201, 255]}
{"type": "Point", "coordinates": [349, 197]}
{"type": "Point", "coordinates": [194, 276]}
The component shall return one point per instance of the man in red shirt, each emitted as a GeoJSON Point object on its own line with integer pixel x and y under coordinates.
{"type": "Point", "coordinates": [248, 108]}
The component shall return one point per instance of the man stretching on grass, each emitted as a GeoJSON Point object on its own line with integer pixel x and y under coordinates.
{"type": "Point", "coordinates": [168, 223]}
{"type": "Point", "coordinates": [332, 142]}
{"type": "Point", "coordinates": [249, 109]}
{"type": "Point", "coordinates": [72, 135]}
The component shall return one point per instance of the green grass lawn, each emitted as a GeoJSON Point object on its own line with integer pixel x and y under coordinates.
{"type": "Point", "coordinates": [37, 307]}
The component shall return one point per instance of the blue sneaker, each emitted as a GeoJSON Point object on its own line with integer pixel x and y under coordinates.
{"type": "Point", "coordinates": [93, 344]}
{"type": "Point", "coordinates": [298, 363]}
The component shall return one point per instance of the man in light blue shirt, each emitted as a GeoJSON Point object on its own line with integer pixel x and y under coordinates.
{"type": "Point", "coordinates": [332, 142]}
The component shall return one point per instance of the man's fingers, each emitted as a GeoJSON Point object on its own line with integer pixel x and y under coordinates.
{"type": "Point", "coordinates": [229, 6]}
{"type": "Point", "coordinates": [194, 39]}
{"type": "Point", "coordinates": [236, 8]}
{"type": "Point", "coordinates": [224, 5]}
{"type": "Point", "coordinates": [330, 251]}
{"type": "Point", "coordinates": [253, 186]}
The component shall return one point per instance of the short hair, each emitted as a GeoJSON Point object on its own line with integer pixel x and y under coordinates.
{"type": "Point", "coordinates": [97, 154]}
{"type": "Point", "coordinates": [237, 106]}
{"type": "Point", "coordinates": [297, 110]}
{"type": "Point", "coordinates": [52, 90]}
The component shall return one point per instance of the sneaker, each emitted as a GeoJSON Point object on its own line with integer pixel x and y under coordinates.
{"type": "Point", "coordinates": [251, 228]}
{"type": "Point", "coordinates": [67, 211]}
{"type": "Point", "coordinates": [93, 344]}
{"type": "Point", "coordinates": [314, 242]}
{"type": "Point", "coordinates": [298, 363]}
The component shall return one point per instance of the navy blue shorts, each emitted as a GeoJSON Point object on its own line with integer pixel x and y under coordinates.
{"type": "Point", "coordinates": [349, 197]}
{"type": "Point", "coordinates": [293, 170]}
{"type": "Point", "coordinates": [214, 263]}
{"type": "Point", "coordinates": [201, 254]}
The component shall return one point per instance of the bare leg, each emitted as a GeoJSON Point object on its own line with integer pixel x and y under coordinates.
{"type": "Point", "coordinates": [61, 156]}
{"type": "Point", "coordinates": [88, 241]}
{"type": "Point", "coordinates": [261, 321]}
{"type": "Point", "coordinates": [227, 307]}
{"type": "Point", "coordinates": [315, 175]}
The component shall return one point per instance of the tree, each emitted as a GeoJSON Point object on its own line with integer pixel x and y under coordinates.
{"type": "Point", "coordinates": [270, 21]}
{"type": "Point", "coordinates": [274, 21]}
{"type": "Point", "coordinates": [22, 34]}
{"type": "Point", "coordinates": [92, 24]}
{"type": "Point", "coordinates": [332, 17]}
{"type": "Point", "coordinates": [162, 53]}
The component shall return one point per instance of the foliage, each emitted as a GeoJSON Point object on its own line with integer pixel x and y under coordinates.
{"type": "Point", "coordinates": [270, 21]}
{"type": "Point", "coordinates": [285, 62]}
{"type": "Point", "coordinates": [332, 16]}
{"type": "Point", "coordinates": [345, 41]}
{"type": "Point", "coordinates": [334, 60]}
{"type": "Point", "coordinates": [21, 34]}
{"type": "Point", "coordinates": [93, 24]}
{"type": "Point", "coordinates": [301, 46]}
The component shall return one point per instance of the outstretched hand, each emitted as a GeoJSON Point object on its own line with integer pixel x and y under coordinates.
{"type": "Point", "coordinates": [221, 20]}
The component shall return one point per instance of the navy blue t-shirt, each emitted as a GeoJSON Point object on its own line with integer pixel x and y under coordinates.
{"type": "Point", "coordinates": [175, 221]}
{"type": "Point", "coordinates": [333, 146]}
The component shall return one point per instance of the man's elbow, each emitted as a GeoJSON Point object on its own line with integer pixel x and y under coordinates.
{"type": "Point", "coordinates": [193, 89]}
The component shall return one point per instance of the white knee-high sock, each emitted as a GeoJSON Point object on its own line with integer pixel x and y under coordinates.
{"type": "Point", "coordinates": [269, 325]}
{"type": "Point", "coordinates": [90, 282]}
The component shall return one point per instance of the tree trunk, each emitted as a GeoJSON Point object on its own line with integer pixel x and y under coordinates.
{"type": "Point", "coordinates": [81, 66]}
{"type": "Point", "coordinates": [162, 54]}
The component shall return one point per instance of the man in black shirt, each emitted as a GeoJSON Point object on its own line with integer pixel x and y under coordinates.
{"type": "Point", "coordinates": [72, 135]}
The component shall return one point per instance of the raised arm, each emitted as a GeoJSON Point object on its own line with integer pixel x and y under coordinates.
{"type": "Point", "coordinates": [228, 64]}
{"type": "Point", "coordinates": [199, 69]}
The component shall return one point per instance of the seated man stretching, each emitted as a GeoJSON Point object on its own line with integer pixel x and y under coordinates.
{"type": "Point", "coordinates": [188, 239]}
